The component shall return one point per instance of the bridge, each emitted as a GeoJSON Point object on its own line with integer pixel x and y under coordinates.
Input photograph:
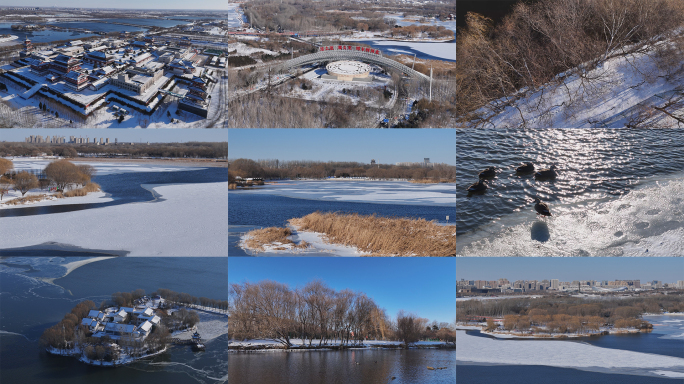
{"type": "Point", "coordinates": [351, 54]}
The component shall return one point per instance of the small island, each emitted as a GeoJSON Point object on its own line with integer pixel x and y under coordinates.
{"type": "Point", "coordinates": [60, 179]}
{"type": "Point", "coordinates": [130, 326]}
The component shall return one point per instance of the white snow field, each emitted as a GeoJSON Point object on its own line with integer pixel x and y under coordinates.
{"type": "Point", "coordinates": [191, 220]}
{"type": "Point", "coordinates": [210, 327]}
{"type": "Point", "coordinates": [622, 93]}
{"type": "Point", "coordinates": [644, 222]}
{"type": "Point", "coordinates": [566, 354]}
{"type": "Point", "coordinates": [363, 190]}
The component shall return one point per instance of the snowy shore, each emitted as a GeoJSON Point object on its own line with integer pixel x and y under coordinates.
{"type": "Point", "coordinates": [301, 344]}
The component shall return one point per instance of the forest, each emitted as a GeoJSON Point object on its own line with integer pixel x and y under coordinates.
{"type": "Point", "coordinates": [276, 169]}
{"type": "Point", "coordinates": [546, 42]}
{"type": "Point", "coordinates": [209, 150]}
{"type": "Point", "coordinates": [316, 314]}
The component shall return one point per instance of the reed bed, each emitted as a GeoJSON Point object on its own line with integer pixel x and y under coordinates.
{"type": "Point", "coordinates": [26, 199]}
{"type": "Point", "coordinates": [257, 238]}
{"type": "Point", "coordinates": [90, 187]}
{"type": "Point", "coordinates": [382, 236]}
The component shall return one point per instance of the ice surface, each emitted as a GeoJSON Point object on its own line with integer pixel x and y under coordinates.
{"type": "Point", "coordinates": [190, 221]}
{"type": "Point", "coordinates": [101, 168]}
{"type": "Point", "coordinates": [567, 354]}
{"type": "Point", "coordinates": [365, 191]}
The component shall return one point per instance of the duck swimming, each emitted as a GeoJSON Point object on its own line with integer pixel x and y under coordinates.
{"type": "Point", "coordinates": [487, 173]}
{"type": "Point", "coordinates": [527, 168]}
{"type": "Point", "coordinates": [541, 208]}
{"type": "Point", "coordinates": [478, 186]}
{"type": "Point", "coordinates": [549, 173]}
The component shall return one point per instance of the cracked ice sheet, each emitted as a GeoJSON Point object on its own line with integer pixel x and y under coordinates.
{"type": "Point", "coordinates": [565, 354]}
{"type": "Point", "coordinates": [101, 168]}
{"type": "Point", "coordinates": [365, 191]}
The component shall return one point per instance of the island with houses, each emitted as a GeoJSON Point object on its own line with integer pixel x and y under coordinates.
{"type": "Point", "coordinates": [130, 326]}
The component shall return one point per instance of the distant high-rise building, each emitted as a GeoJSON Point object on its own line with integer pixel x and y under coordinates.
{"type": "Point", "coordinates": [555, 284]}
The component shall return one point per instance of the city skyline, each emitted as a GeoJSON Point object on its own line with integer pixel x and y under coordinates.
{"type": "Point", "coordinates": [135, 135]}
{"type": "Point", "coordinates": [665, 269]}
{"type": "Point", "coordinates": [360, 145]}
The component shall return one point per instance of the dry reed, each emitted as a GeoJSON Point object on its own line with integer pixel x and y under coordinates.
{"type": "Point", "coordinates": [382, 236]}
{"type": "Point", "coordinates": [90, 187]}
{"type": "Point", "coordinates": [432, 181]}
{"type": "Point", "coordinates": [256, 239]}
{"type": "Point", "coordinates": [26, 199]}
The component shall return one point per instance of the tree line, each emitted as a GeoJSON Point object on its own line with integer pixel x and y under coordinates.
{"type": "Point", "coordinates": [610, 311]}
{"type": "Point", "coordinates": [210, 150]}
{"type": "Point", "coordinates": [276, 169]}
{"type": "Point", "coordinates": [316, 313]}
{"type": "Point", "coordinates": [550, 40]}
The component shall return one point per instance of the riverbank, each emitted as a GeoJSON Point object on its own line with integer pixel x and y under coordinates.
{"type": "Point", "coordinates": [332, 345]}
{"type": "Point", "coordinates": [38, 199]}
{"type": "Point", "coordinates": [357, 235]}
{"type": "Point", "coordinates": [219, 163]}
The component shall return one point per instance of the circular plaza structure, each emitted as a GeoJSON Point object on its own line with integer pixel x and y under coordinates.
{"type": "Point", "coordinates": [348, 70]}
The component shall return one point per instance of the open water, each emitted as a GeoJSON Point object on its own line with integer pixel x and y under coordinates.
{"type": "Point", "coordinates": [30, 305]}
{"type": "Point", "coordinates": [618, 192]}
{"type": "Point", "coordinates": [342, 367]}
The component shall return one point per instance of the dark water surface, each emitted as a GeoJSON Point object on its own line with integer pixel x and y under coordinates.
{"type": "Point", "coordinates": [340, 367]}
{"type": "Point", "coordinates": [125, 188]}
{"type": "Point", "coordinates": [590, 162]}
{"type": "Point", "coordinates": [619, 192]}
{"type": "Point", "coordinates": [29, 306]}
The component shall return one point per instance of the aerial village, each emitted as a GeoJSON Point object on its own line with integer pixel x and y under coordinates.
{"type": "Point", "coordinates": [118, 335]}
{"type": "Point", "coordinates": [118, 75]}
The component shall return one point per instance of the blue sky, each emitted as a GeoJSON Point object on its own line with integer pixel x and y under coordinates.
{"type": "Point", "coordinates": [386, 146]}
{"type": "Point", "coordinates": [666, 269]}
{"type": "Point", "coordinates": [128, 134]}
{"type": "Point", "coordinates": [125, 4]}
{"type": "Point", "coordinates": [424, 285]}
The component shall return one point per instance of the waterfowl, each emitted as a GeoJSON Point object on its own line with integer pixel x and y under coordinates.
{"type": "Point", "coordinates": [549, 173]}
{"type": "Point", "coordinates": [489, 172]}
{"type": "Point", "coordinates": [541, 208]}
{"type": "Point", "coordinates": [527, 168]}
{"type": "Point", "coordinates": [478, 186]}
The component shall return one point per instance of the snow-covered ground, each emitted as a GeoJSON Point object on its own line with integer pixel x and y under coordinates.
{"type": "Point", "coordinates": [91, 198]}
{"type": "Point", "coordinates": [190, 221]}
{"type": "Point", "coordinates": [101, 168]}
{"type": "Point", "coordinates": [623, 92]}
{"type": "Point", "coordinates": [483, 350]}
{"type": "Point", "coordinates": [301, 342]}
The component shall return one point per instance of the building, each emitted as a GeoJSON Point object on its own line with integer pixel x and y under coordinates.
{"type": "Point", "coordinates": [348, 70]}
{"type": "Point", "coordinates": [76, 80]}
{"type": "Point", "coordinates": [63, 64]}
{"type": "Point", "coordinates": [98, 59]}
{"type": "Point", "coordinates": [181, 67]}
{"type": "Point", "coordinates": [555, 284]}
{"type": "Point", "coordinates": [138, 81]}
{"type": "Point", "coordinates": [28, 49]}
